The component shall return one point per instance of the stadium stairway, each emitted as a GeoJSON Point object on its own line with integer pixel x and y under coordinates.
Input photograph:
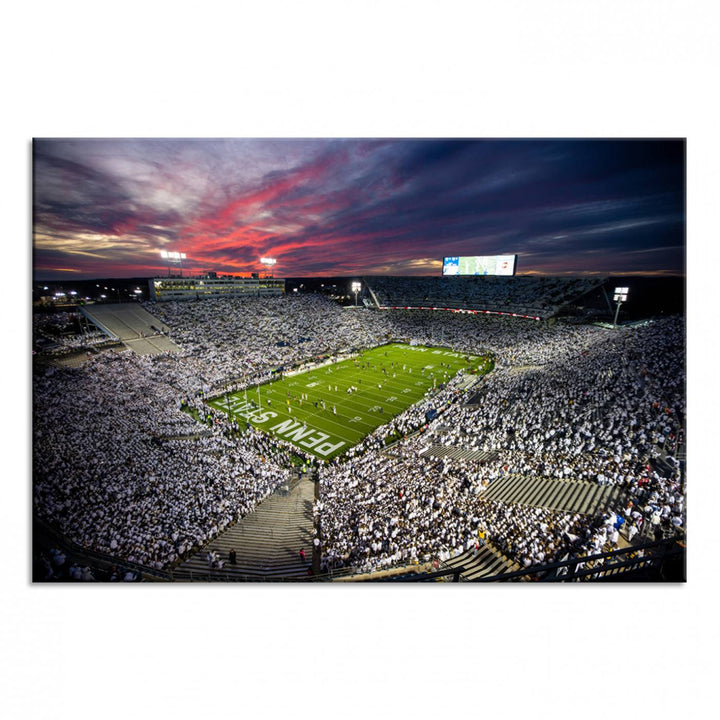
{"type": "Point", "coordinates": [572, 496]}
{"type": "Point", "coordinates": [682, 453]}
{"type": "Point", "coordinates": [267, 542]}
{"type": "Point", "coordinates": [488, 562]}
{"type": "Point", "coordinates": [467, 381]}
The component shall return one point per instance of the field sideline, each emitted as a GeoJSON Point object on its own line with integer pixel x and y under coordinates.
{"type": "Point", "coordinates": [329, 409]}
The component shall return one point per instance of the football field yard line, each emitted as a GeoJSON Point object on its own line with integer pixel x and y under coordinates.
{"type": "Point", "coordinates": [314, 413]}
{"type": "Point", "coordinates": [354, 404]}
{"type": "Point", "coordinates": [320, 427]}
{"type": "Point", "coordinates": [283, 414]}
{"type": "Point", "coordinates": [371, 424]}
{"type": "Point", "coordinates": [323, 416]}
{"type": "Point", "coordinates": [390, 387]}
{"type": "Point", "coordinates": [310, 414]}
{"type": "Point", "coordinates": [394, 384]}
{"type": "Point", "coordinates": [354, 400]}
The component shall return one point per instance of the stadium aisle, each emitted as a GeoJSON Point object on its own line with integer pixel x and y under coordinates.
{"type": "Point", "coordinates": [267, 542]}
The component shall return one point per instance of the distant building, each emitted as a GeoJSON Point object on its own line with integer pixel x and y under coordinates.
{"type": "Point", "coordinates": [198, 288]}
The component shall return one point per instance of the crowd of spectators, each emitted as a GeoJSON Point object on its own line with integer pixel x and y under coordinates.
{"type": "Point", "coordinates": [63, 332]}
{"type": "Point", "coordinates": [129, 460]}
{"type": "Point", "coordinates": [535, 296]}
{"type": "Point", "coordinates": [247, 338]}
{"type": "Point", "coordinates": [120, 468]}
{"type": "Point", "coordinates": [606, 409]}
{"type": "Point", "coordinates": [53, 565]}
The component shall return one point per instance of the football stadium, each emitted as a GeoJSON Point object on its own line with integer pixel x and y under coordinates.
{"type": "Point", "coordinates": [463, 427]}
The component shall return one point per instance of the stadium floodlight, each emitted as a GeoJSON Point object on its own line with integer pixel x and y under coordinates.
{"type": "Point", "coordinates": [356, 287]}
{"type": "Point", "coordinates": [620, 296]}
{"type": "Point", "coordinates": [269, 262]}
{"type": "Point", "coordinates": [173, 256]}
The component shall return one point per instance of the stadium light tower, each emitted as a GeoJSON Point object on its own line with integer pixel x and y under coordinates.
{"type": "Point", "coordinates": [620, 296]}
{"type": "Point", "coordinates": [356, 287]}
{"type": "Point", "coordinates": [269, 262]}
{"type": "Point", "coordinates": [173, 257]}
{"type": "Point", "coordinates": [164, 256]}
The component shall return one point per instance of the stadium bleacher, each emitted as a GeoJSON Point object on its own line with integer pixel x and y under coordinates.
{"type": "Point", "coordinates": [539, 297]}
{"type": "Point", "coordinates": [131, 461]}
{"type": "Point", "coordinates": [133, 325]}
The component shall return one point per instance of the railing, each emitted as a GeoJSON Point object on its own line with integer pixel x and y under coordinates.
{"type": "Point", "coordinates": [105, 560]}
{"type": "Point", "coordinates": [637, 563]}
{"type": "Point", "coordinates": [648, 562]}
{"type": "Point", "coordinates": [224, 577]}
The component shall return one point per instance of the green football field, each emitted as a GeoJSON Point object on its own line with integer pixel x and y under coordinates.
{"type": "Point", "coordinates": [329, 409]}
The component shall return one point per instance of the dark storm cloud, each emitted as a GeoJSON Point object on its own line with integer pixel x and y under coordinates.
{"type": "Point", "coordinates": [327, 207]}
{"type": "Point", "coordinates": [71, 197]}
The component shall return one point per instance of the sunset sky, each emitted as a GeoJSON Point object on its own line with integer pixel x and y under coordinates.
{"type": "Point", "coordinates": [106, 208]}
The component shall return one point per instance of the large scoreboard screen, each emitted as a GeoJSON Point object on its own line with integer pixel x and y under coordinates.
{"type": "Point", "coordinates": [480, 265]}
